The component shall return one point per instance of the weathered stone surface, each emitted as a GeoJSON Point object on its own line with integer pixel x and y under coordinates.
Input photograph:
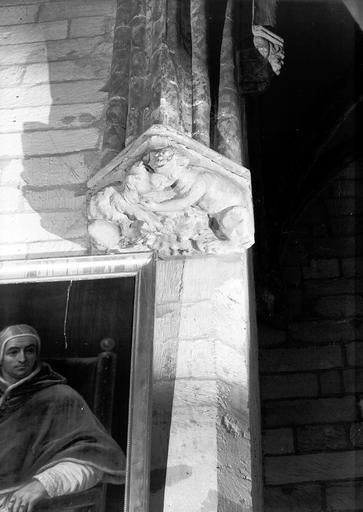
{"type": "Point", "coordinates": [25, 200]}
{"type": "Point", "coordinates": [344, 496]}
{"type": "Point", "coordinates": [11, 76]}
{"type": "Point", "coordinates": [44, 249]}
{"type": "Point", "coordinates": [31, 227]}
{"type": "Point", "coordinates": [322, 438]}
{"type": "Point", "coordinates": [89, 26]}
{"type": "Point", "coordinates": [355, 354]}
{"type": "Point", "coordinates": [278, 441]}
{"type": "Point", "coordinates": [343, 206]}
{"type": "Point", "coordinates": [80, 115]}
{"type": "Point", "coordinates": [89, 68]}
{"type": "Point", "coordinates": [76, 8]}
{"type": "Point", "coordinates": [303, 498]}
{"type": "Point", "coordinates": [353, 381]}
{"type": "Point", "coordinates": [330, 383]}
{"type": "Point", "coordinates": [55, 50]}
{"type": "Point", "coordinates": [305, 412]}
{"type": "Point", "coordinates": [318, 466]}
{"type": "Point", "coordinates": [321, 268]}
{"type": "Point", "coordinates": [339, 306]}
{"type": "Point", "coordinates": [269, 336]}
{"type": "Point", "coordinates": [352, 266]}
{"type": "Point", "coordinates": [30, 33]}
{"type": "Point", "coordinates": [84, 91]}
{"type": "Point", "coordinates": [356, 435]}
{"type": "Point", "coordinates": [18, 15]}
{"type": "Point", "coordinates": [47, 171]}
{"type": "Point", "coordinates": [322, 331]}
{"type": "Point", "coordinates": [288, 386]}
{"type": "Point", "coordinates": [49, 142]}
{"type": "Point", "coordinates": [297, 359]}
{"type": "Point", "coordinates": [169, 282]}
{"type": "Point", "coordinates": [323, 287]}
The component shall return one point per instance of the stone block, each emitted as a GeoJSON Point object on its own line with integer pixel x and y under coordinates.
{"type": "Point", "coordinates": [230, 364]}
{"type": "Point", "coordinates": [169, 281]}
{"type": "Point", "coordinates": [278, 441]}
{"type": "Point", "coordinates": [25, 200]}
{"type": "Point", "coordinates": [355, 354]}
{"type": "Point", "coordinates": [322, 331]}
{"type": "Point", "coordinates": [356, 435]}
{"type": "Point", "coordinates": [33, 32]}
{"type": "Point", "coordinates": [89, 68]}
{"type": "Point", "coordinates": [292, 275]}
{"type": "Point", "coordinates": [196, 359]}
{"type": "Point", "coordinates": [196, 320]}
{"type": "Point", "coordinates": [87, 91]}
{"type": "Point", "coordinates": [343, 206]}
{"type": "Point", "coordinates": [48, 171]}
{"type": "Point", "coordinates": [44, 249]}
{"type": "Point", "coordinates": [11, 76]}
{"type": "Point", "coordinates": [269, 336]}
{"type": "Point", "coordinates": [314, 467]}
{"type": "Point", "coordinates": [167, 321]}
{"type": "Point", "coordinates": [344, 496]}
{"type": "Point", "coordinates": [335, 247]}
{"type": "Point", "coordinates": [88, 26]}
{"type": "Point", "coordinates": [31, 227]}
{"type": "Point", "coordinates": [297, 498]}
{"type": "Point", "coordinates": [66, 49]}
{"type": "Point", "coordinates": [304, 412]}
{"type": "Point", "coordinates": [321, 437]}
{"type": "Point", "coordinates": [18, 14]}
{"type": "Point", "coordinates": [352, 266]}
{"type": "Point", "coordinates": [321, 268]}
{"type": "Point", "coordinates": [345, 226]}
{"type": "Point", "coordinates": [324, 287]}
{"type": "Point", "coordinates": [330, 383]}
{"type": "Point", "coordinates": [289, 386]}
{"type": "Point", "coordinates": [76, 8]}
{"type": "Point", "coordinates": [51, 117]}
{"type": "Point", "coordinates": [300, 359]}
{"type": "Point", "coordinates": [339, 306]}
{"type": "Point", "coordinates": [49, 142]}
{"type": "Point", "coordinates": [202, 276]}
{"type": "Point", "coordinates": [353, 381]}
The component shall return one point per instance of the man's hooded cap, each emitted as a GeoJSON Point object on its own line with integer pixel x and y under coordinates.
{"type": "Point", "coordinates": [17, 331]}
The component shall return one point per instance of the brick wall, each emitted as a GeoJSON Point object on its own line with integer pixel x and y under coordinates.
{"type": "Point", "coordinates": [54, 61]}
{"type": "Point", "coordinates": [312, 371]}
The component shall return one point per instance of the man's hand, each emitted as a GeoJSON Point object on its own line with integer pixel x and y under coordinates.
{"type": "Point", "coordinates": [24, 499]}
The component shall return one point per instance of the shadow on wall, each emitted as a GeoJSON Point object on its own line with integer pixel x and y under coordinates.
{"type": "Point", "coordinates": [61, 113]}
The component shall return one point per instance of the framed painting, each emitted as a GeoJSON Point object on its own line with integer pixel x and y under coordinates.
{"type": "Point", "coordinates": [83, 307]}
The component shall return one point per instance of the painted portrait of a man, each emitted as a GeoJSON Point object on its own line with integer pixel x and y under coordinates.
{"type": "Point", "coordinates": [51, 444]}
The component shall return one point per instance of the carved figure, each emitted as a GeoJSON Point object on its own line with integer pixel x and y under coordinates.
{"type": "Point", "coordinates": [219, 197]}
{"type": "Point", "coordinates": [172, 207]}
{"type": "Point", "coordinates": [270, 46]}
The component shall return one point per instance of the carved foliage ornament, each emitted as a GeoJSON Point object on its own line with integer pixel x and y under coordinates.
{"type": "Point", "coordinates": [163, 202]}
{"type": "Point", "coordinates": [270, 46]}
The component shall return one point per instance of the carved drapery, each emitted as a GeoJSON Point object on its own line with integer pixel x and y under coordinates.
{"type": "Point", "coordinates": [161, 70]}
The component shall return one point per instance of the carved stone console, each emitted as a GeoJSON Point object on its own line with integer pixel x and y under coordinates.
{"type": "Point", "coordinates": [169, 193]}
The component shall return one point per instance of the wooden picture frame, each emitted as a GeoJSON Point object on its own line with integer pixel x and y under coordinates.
{"type": "Point", "coordinates": [141, 266]}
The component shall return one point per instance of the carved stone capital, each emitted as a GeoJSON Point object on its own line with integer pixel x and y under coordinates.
{"type": "Point", "coordinates": [270, 46]}
{"type": "Point", "coordinates": [169, 193]}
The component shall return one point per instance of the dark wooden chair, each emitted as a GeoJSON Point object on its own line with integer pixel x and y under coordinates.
{"type": "Point", "coordinates": [94, 379]}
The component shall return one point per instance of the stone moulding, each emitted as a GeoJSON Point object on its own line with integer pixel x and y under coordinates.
{"type": "Point", "coordinates": [169, 193]}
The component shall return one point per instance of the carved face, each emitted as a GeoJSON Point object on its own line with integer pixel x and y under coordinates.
{"type": "Point", "coordinates": [161, 157]}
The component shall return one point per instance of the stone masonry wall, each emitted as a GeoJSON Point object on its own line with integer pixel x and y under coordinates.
{"type": "Point", "coordinates": [55, 58]}
{"type": "Point", "coordinates": [312, 372]}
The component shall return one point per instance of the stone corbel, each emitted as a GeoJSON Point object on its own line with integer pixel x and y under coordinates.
{"type": "Point", "coordinates": [270, 46]}
{"type": "Point", "coordinates": [168, 193]}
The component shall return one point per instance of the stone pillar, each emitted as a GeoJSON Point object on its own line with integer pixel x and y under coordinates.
{"type": "Point", "coordinates": [205, 362]}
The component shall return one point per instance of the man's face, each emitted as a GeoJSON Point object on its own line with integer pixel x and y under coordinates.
{"type": "Point", "coordinates": [19, 359]}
